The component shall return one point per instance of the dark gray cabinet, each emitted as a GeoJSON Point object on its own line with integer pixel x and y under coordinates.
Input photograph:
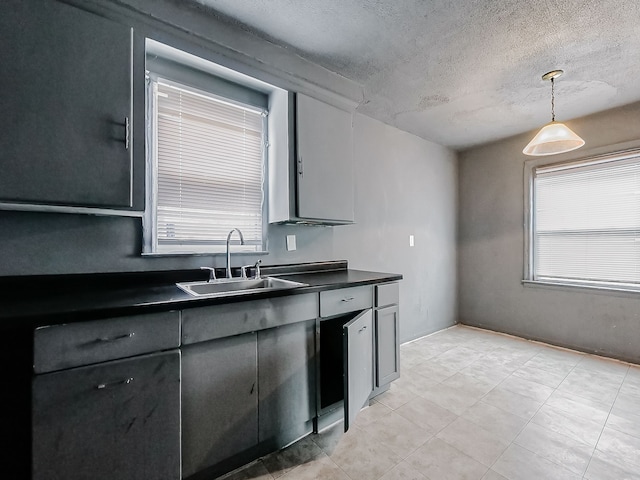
{"type": "Point", "coordinates": [358, 365]}
{"type": "Point", "coordinates": [66, 79]}
{"type": "Point", "coordinates": [387, 335]}
{"type": "Point", "coordinates": [219, 401]}
{"type": "Point", "coordinates": [117, 419]}
{"type": "Point", "coordinates": [286, 404]}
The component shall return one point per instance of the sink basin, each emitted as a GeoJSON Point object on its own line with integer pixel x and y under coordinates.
{"type": "Point", "coordinates": [240, 286]}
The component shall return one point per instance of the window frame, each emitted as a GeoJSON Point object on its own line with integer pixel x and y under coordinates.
{"type": "Point", "coordinates": [530, 165]}
{"type": "Point", "coordinates": [206, 67]}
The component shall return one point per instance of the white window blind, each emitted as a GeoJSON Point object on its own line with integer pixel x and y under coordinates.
{"type": "Point", "coordinates": [209, 170]}
{"type": "Point", "coordinates": [587, 222]}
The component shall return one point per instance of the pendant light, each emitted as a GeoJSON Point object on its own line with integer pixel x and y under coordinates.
{"type": "Point", "coordinates": [554, 137]}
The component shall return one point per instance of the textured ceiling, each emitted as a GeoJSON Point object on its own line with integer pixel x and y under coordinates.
{"type": "Point", "coordinates": [461, 72]}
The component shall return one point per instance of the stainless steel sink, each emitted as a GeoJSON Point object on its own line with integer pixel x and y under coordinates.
{"type": "Point", "coordinates": [239, 286]}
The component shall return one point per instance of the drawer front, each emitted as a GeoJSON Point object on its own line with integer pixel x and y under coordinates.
{"type": "Point", "coordinates": [58, 347]}
{"type": "Point", "coordinates": [218, 321]}
{"type": "Point", "coordinates": [387, 294]}
{"type": "Point", "coordinates": [114, 420]}
{"type": "Point", "coordinates": [336, 302]}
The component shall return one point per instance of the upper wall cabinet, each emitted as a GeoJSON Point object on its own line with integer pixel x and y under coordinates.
{"type": "Point", "coordinates": [65, 128]}
{"type": "Point", "coordinates": [311, 181]}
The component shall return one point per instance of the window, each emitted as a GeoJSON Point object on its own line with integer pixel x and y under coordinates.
{"type": "Point", "coordinates": [585, 224]}
{"type": "Point", "coordinates": [206, 141]}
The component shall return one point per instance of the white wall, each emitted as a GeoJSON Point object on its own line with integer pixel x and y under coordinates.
{"type": "Point", "coordinates": [491, 246]}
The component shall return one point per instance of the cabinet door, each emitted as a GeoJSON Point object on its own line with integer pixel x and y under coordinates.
{"type": "Point", "coordinates": [66, 83]}
{"type": "Point", "coordinates": [219, 401]}
{"type": "Point", "coordinates": [358, 365]}
{"type": "Point", "coordinates": [387, 345]}
{"type": "Point", "coordinates": [324, 161]}
{"type": "Point", "coordinates": [118, 419]}
{"type": "Point", "coordinates": [286, 359]}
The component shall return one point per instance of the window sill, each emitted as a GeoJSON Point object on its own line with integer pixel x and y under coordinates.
{"type": "Point", "coordinates": [202, 254]}
{"type": "Point", "coordinates": [569, 286]}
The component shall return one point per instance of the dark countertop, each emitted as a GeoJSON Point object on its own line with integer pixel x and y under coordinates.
{"type": "Point", "coordinates": [44, 300]}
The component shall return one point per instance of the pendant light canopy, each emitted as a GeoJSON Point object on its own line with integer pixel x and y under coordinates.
{"type": "Point", "coordinates": [554, 137]}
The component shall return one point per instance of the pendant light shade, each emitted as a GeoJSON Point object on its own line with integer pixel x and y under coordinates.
{"type": "Point", "coordinates": [554, 137]}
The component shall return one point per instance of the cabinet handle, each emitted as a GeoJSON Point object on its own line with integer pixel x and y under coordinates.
{"type": "Point", "coordinates": [126, 381]}
{"type": "Point", "coordinates": [300, 169]}
{"type": "Point", "coordinates": [127, 129]}
{"type": "Point", "coordinates": [363, 328]}
{"type": "Point", "coordinates": [347, 299]}
{"type": "Point", "coordinates": [117, 337]}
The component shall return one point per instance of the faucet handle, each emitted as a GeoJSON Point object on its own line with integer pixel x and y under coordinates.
{"type": "Point", "coordinates": [212, 272]}
{"type": "Point", "coordinates": [243, 270]}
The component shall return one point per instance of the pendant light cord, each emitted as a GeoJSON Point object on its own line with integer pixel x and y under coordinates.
{"type": "Point", "coordinates": [553, 112]}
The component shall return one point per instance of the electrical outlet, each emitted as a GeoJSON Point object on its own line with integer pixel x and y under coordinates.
{"type": "Point", "coordinates": [291, 243]}
{"type": "Point", "coordinates": [411, 242]}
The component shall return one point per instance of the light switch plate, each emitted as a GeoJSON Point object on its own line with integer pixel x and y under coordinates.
{"type": "Point", "coordinates": [291, 243]}
{"type": "Point", "coordinates": [411, 242]}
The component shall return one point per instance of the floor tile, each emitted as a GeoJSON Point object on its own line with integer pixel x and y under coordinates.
{"type": "Point", "coordinates": [281, 462]}
{"type": "Point", "coordinates": [539, 375]}
{"type": "Point", "coordinates": [578, 428]}
{"type": "Point", "coordinates": [457, 358]}
{"type": "Point", "coordinates": [426, 414]}
{"type": "Point", "coordinates": [474, 441]}
{"type": "Point", "coordinates": [518, 463]}
{"type": "Point", "coordinates": [558, 448]}
{"type": "Point", "coordinates": [579, 406]}
{"type": "Point", "coordinates": [511, 402]}
{"type": "Point", "coordinates": [627, 403]}
{"type": "Point", "coordinates": [397, 434]}
{"type": "Point", "coordinates": [373, 412]}
{"type": "Point", "coordinates": [253, 471]}
{"type": "Point", "coordinates": [527, 388]}
{"type": "Point", "coordinates": [620, 446]}
{"type": "Point", "coordinates": [625, 422]}
{"type": "Point", "coordinates": [439, 461]}
{"type": "Point", "coordinates": [603, 467]}
{"type": "Point", "coordinates": [396, 396]}
{"type": "Point", "coordinates": [493, 475]}
{"type": "Point", "coordinates": [456, 399]}
{"type": "Point", "coordinates": [504, 425]}
{"type": "Point", "coordinates": [434, 371]}
{"type": "Point", "coordinates": [403, 471]}
{"type": "Point", "coordinates": [320, 468]}
{"type": "Point", "coordinates": [487, 372]}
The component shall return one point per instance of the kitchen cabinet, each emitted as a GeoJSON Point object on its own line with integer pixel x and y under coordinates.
{"type": "Point", "coordinates": [248, 380]}
{"type": "Point", "coordinates": [65, 131]}
{"type": "Point", "coordinates": [219, 401]}
{"type": "Point", "coordinates": [311, 181]}
{"type": "Point", "coordinates": [387, 335]}
{"type": "Point", "coordinates": [99, 415]}
{"type": "Point", "coordinates": [117, 419]}
{"type": "Point", "coordinates": [346, 354]}
{"type": "Point", "coordinates": [324, 161]}
{"type": "Point", "coordinates": [287, 402]}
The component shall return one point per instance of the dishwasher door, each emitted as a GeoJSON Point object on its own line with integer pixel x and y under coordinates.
{"type": "Point", "coordinates": [358, 364]}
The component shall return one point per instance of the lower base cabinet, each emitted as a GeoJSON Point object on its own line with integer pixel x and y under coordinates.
{"type": "Point", "coordinates": [219, 402]}
{"type": "Point", "coordinates": [287, 377]}
{"type": "Point", "coordinates": [117, 419]}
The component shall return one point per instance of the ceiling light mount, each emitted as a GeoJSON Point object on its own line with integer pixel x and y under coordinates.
{"type": "Point", "coordinates": [554, 137]}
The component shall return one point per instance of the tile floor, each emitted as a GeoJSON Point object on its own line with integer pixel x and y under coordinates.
{"type": "Point", "coordinates": [477, 405]}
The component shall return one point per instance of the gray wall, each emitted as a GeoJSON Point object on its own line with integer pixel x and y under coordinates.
{"type": "Point", "coordinates": [404, 185]}
{"type": "Point", "coordinates": [491, 246]}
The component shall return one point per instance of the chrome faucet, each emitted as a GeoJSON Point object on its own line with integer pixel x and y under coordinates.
{"type": "Point", "coordinates": [228, 252]}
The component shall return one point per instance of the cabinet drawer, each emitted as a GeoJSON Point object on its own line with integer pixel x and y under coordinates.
{"type": "Point", "coordinates": [387, 294]}
{"type": "Point", "coordinates": [119, 419]}
{"type": "Point", "coordinates": [71, 345]}
{"type": "Point", "coordinates": [208, 323]}
{"type": "Point", "coordinates": [335, 302]}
